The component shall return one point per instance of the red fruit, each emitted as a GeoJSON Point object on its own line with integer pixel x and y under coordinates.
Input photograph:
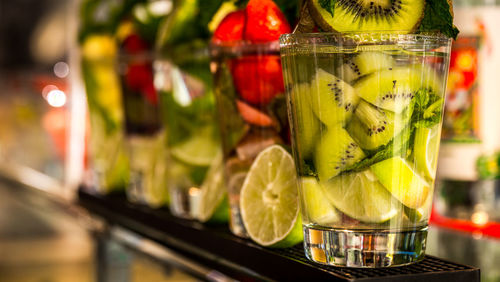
{"type": "Point", "coordinates": [258, 78]}
{"type": "Point", "coordinates": [253, 116]}
{"type": "Point", "coordinates": [265, 21]}
{"type": "Point", "coordinates": [139, 78]}
{"type": "Point", "coordinates": [134, 44]}
{"type": "Point", "coordinates": [231, 27]}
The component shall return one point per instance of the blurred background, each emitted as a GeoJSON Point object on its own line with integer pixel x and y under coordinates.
{"type": "Point", "coordinates": [44, 142]}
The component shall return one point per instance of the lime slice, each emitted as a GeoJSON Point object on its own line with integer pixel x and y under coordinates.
{"type": "Point", "coordinates": [213, 192]}
{"type": "Point", "coordinates": [361, 196]}
{"type": "Point", "coordinates": [199, 150]}
{"type": "Point", "coordinates": [318, 208]}
{"type": "Point", "coordinates": [269, 200]}
{"type": "Point", "coordinates": [399, 178]}
{"type": "Point", "coordinates": [421, 213]}
{"type": "Point", "coordinates": [426, 151]}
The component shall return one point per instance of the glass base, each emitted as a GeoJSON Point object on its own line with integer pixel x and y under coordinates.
{"type": "Point", "coordinates": [184, 202]}
{"type": "Point", "coordinates": [364, 248]}
{"type": "Point", "coordinates": [236, 223]}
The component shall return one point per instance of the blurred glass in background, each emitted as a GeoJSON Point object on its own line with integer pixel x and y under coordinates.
{"type": "Point", "coordinates": [35, 92]}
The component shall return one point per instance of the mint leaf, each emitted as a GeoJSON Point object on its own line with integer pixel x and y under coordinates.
{"type": "Point", "coordinates": [425, 110]}
{"type": "Point", "coordinates": [437, 17]}
{"type": "Point", "coordinates": [328, 5]}
{"type": "Point", "coordinates": [391, 149]}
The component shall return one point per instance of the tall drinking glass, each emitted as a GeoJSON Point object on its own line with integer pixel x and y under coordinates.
{"type": "Point", "coordinates": [193, 139]}
{"type": "Point", "coordinates": [249, 89]}
{"type": "Point", "coordinates": [144, 132]}
{"type": "Point", "coordinates": [366, 115]}
{"type": "Point", "coordinates": [108, 162]}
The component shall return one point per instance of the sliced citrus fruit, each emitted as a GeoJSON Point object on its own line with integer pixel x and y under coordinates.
{"type": "Point", "coordinates": [319, 209]}
{"type": "Point", "coordinates": [426, 150]}
{"type": "Point", "coordinates": [200, 149]}
{"type": "Point", "coordinates": [213, 193]}
{"type": "Point", "coordinates": [269, 200]}
{"type": "Point", "coordinates": [402, 181]}
{"type": "Point", "coordinates": [420, 214]}
{"type": "Point", "coordinates": [361, 196]}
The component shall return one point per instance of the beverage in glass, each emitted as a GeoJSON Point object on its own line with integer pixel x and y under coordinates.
{"type": "Point", "coordinates": [108, 164]}
{"type": "Point", "coordinates": [193, 140]}
{"type": "Point", "coordinates": [248, 85]}
{"type": "Point", "coordinates": [365, 113]}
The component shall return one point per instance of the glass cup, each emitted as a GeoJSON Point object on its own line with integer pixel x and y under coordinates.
{"type": "Point", "coordinates": [249, 90]}
{"type": "Point", "coordinates": [193, 137]}
{"type": "Point", "coordinates": [366, 115]}
{"type": "Point", "coordinates": [108, 164]}
{"type": "Point", "coordinates": [144, 133]}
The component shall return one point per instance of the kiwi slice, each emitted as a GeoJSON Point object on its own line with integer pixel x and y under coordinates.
{"type": "Point", "coordinates": [332, 100]}
{"type": "Point", "coordinates": [373, 127]}
{"type": "Point", "coordinates": [368, 15]}
{"type": "Point", "coordinates": [336, 151]}
{"type": "Point", "coordinates": [363, 64]}
{"type": "Point", "coordinates": [393, 88]}
{"type": "Point", "coordinates": [308, 125]}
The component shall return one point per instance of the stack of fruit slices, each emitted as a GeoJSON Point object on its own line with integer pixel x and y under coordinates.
{"type": "Point", "coordinates": [369, 134]}
{"type": "Point", "coordinates": [269, 198]}
{"type": "Point", "coordinates": [257, 79]}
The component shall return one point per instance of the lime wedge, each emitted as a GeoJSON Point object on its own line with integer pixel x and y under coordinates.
{"type": "Point", "coordinates": [402, 181]}
{"type": "Point", "coordinates": [269, 200]}
{"type": "Point", "coordinates": [318, 208]}
{"type": "Point", "coordinates": [213, 193]}
{"type": "Point", "coordinates": [421, 213]}
{"type": "Point", "coordinates": [426, 151]}
{"type": "Point", "coordinates": [199, 150]}
{"type": "Point", "coordinates": [361, 196]}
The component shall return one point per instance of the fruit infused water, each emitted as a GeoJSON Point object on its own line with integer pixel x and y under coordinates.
{"type": "Point", "coordinates": [249, 89]}
{"type": "Point", "coordinates": [366, 113]}
{"type": "Point", "coordinates": [108, 162]}
{"type": "Point", "coordinates": [144, 133]}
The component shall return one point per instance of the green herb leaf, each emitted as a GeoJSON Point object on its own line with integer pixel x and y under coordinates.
{"type": "Point", "coordinates": [425, 110]}
{"type": "Point", "coordinates": [328, 5]}
{"type": "Point", "coordinates": [397, 147]}
{"type": "Point", "coordinates": [438, 17]}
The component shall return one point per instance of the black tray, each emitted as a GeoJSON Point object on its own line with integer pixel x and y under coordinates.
{"type": "Point", "coordinates": [216, 247]}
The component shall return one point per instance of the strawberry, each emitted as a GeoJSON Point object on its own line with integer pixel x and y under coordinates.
{"type": "Point", "coordinates": [258, 78]}
{"type": "Point", "coordinates": [139, 78]}
{"type": "Point", "coordinates": [264, 21]}
{"type": "Point", "coordinates": [134, 44]}
{"type": "Point", "coordinates": [231, 27]}
{"type": "Point", "coordinates": [252, 115]}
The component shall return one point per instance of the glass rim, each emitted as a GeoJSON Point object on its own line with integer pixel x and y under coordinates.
{"type": "Point", "coordinates": [243, 46]}
{"type": "Point", "coordinates": [361, 37]}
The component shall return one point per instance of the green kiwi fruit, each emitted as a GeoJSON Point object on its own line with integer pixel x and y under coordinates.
{"type": "Point", "coordinates": [335, 151]}
{"type": "Point", "coordinates": [363, 64]}
{"type": "Point", "coordinates": [368, 15]}
{"type": "Point", "coordinates": [393, 88]}
{"type": "Point", "coordinates": [306, 124]}
{"type": "Point", "coordinates": [332, 100]}
{"type": "Point", "coordinates": [372, 127]}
